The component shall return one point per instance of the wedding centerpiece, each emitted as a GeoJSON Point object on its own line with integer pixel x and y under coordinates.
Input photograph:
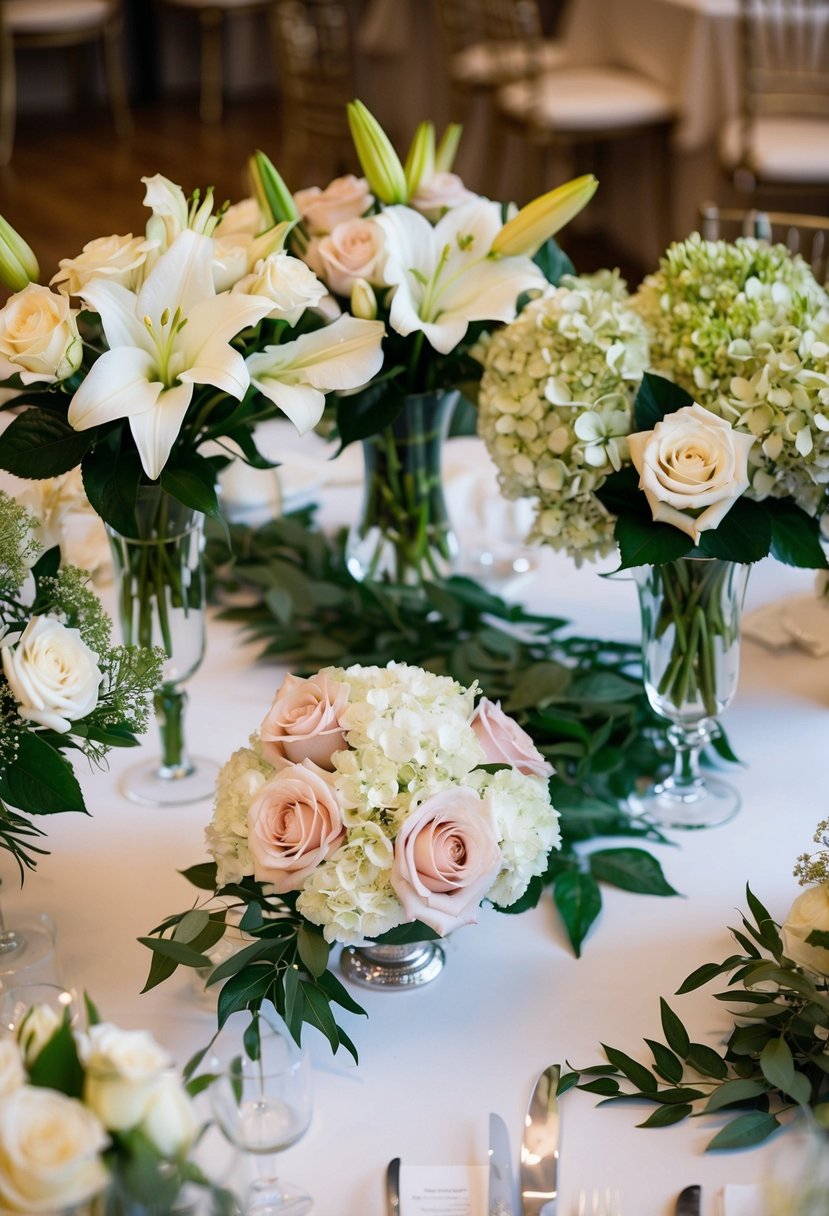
{"type": "Point", "coordinates": [692, 478]}
{"type": "Point", "coordinates": [150, 351]}
{"type": "Point", "coordinates": [412, 245]}
{"type": "Point", "coordinates": [94, 1122]}
{"type": "Point", "coordinates": [375, 807]}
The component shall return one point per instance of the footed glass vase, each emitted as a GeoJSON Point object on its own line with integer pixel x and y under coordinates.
{"type": "Point", "coordinates": [404, 536]}
{"type": "Point", "coordinates": [691, 660]}
{"type": "Point", "coordinates": [162, 602]}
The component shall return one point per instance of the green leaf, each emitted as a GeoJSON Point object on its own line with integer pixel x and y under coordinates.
{"type": "Point", "coordinates": [702, 975]}
{"type": "Point", "coordinates": [161, 968]}
{"type": "Point", "coordinates": [538, 685]}
{"type": "Point", "coordinates": [795, 536]}
{"type": "Point", "coordinates": [579, 902]}
{"type": "Point", "coordinates": [643, 542]}
{"type": "Point", "coordinates": [630, 869]}
{"type": "Point", "coordinates": [818, 937]}
{"type": "Point", "coordinates": [656, 398]}
{"type": "Point", "coordinates": [777, 1064]}
{"type": "Point", "coordinates": [247, 988]}
{"type": "Point", "coordinates": [641, 1077]}
{"type": "Point", "coordinates": [180, 953]}
{"type": "Point", "coordinates": [313, 949]}
{"type": "Point", "coordinates": [318, 1013]}
{"type": "Point", "coordinates": [264, 947]}
{"type": "Point", "coordinates": [38, 444]}
{"type": "Point", "coordinates": [553, 262]}
{"type": "Point", "coordinates": [41, 781]}
{"type": "Point", "coordinates": [664, 1116]}
{"type": "Point", "coordinates": [191, 925]}
{"type": "Point", "coordinates": [744, 1131]}
{"type": "Point", "coordinates": [732, 1092]}
{"type": "Point", "coordinates": [93, 1017]}
{"type": "Point", "coordinates": [675, 1033]}
{"type": "Point", "coordinates": [743, 535]}
{"type": "Point", "coordinates": [667, 1064]}
{"type": "Point", "coordinates": [707, 1061]}
{"type": "Point", "coordinates": [192, 480]}
{"type": "Point", "coordinates": [403, 935]}
{"type": "Point", "coordinates": [367, 412]}
{"type": "Point", "coordinates": [202, 876]}
{"type": "Point", "coordinates": [340, 995]}
{"type": "Point", "coordinates": [110, 478]}
{"type": "Point", "coordinates": [606, 1087]}
{"type": "Point", "coordinates": [57, 1065]}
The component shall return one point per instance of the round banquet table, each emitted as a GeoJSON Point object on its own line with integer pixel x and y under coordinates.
{"type": "Point", "coordinates": [512, 998]}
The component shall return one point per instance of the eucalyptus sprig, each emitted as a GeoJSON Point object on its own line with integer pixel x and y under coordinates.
{"type": "Point", "coordinates": [775, 1059]}
{"type": "Point", "coordinates": [580, 698]}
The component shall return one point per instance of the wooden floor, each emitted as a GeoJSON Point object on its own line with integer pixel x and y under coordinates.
{"type": "Point", "coordinates": [71, 179]}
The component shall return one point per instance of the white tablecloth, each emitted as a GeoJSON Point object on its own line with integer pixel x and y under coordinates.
{"type": "Point", "coordinates": [512, 997]}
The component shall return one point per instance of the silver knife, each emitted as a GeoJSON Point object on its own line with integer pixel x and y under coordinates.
{"type": "Point", "coordinates": [539, 1148]}
{"type": "Point", "coordinates": [501, 1192]}
{"type": "Point", "coordinates": [393, 1188]}
{"type": "Point", "coordinates": [688, 1203]}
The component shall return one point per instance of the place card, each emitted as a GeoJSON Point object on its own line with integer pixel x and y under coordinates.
{"type": "Point", "coordinates": [443, 1190]}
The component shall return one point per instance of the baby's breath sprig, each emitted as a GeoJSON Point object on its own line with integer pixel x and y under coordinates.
{"type": "Point", "coordinates": [814, 867]}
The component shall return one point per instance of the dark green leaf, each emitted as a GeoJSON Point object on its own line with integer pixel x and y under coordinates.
{"type": "Point", "coordinates": [642, 542]}
{"type": "Point", "coordinates": [57, 1065]}
{"type": "Point", "coordinates": [795, 536]}
{"type": "Point", "coordinates": [818, 937]}
{"type": "Point", "coordinates": [642, 1077]}
{"type": "Point", "coordinates": [161, 968]}
{"type": "Point", "coordinates": [703, 975]}
{"type": "Point", "coordinates": [656, 398]}
{"type": "Point", "coordinates": [778, 1068]}
{"type": "Point", "coordinates": [604, 1086]}
{"type": "Point", "coordinates": [38, 444]}
{"type": "Point", "coordinates": [313, 949]}
{"type": "Point", "coordinates": [538, 685]}
{"type": "Point", "coordinates": [579, 901]}
{"type": "Point", "coordinates": [674, 1031]}
{"type": "Point", "coordinates": [41, 781]}
{"type": "Point", "coordinates": [318, 1013]}
{"type": "Point", "coordinates": [744, 1131]}
{"type": "Point", "coordinates": [706, 1061]}
{"type": "Point", "coordinates": [202, 876]}
{"type": "Point", "coordinates": [553, 262]}
{"type": "Point", "coordinates": [743, 535]}
{"type": "Point", "coordinates": [664, 1116]}
{"type": "Point", "coordinates": [110, 477]}
{"type": "Point", "coordinates": [245, 989]}
{"type": "Point", "coordinates": [732, 1092]}
{"type": "Point", "coordinates": [180, 953]}
{"type": "Point", "coordinates": [667, 1064]}
{"type": "Point", "coordinates": [367, 412]}
{"type": "Point", "coordinates": [192, 480]}
{"type": "Point", "coordinates": [630, 869]}
{"type": "Point", "coordinates": [262, 948]}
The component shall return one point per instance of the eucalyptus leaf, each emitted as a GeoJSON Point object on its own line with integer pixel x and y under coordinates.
{"type": "Point", "coordinates": [745, 1131]}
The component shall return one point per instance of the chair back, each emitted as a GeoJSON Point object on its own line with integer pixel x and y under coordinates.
{"type": "Point", "coordinates": [807, 235]}
{"type": "Point", "coordinates": [459, 24]}
{"type": "Point", "coordinates": [785, 58]}
{"type": "Point", "coordinates": [316, 62]}
{"type": "Point", "coordinates": [512, 21]}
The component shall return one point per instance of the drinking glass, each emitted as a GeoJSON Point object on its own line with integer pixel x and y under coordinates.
{"type": "Point", "coordinates": [59, 1002]}
{"type": "Point", "coordinates": [27, 949]}
{"type": "Point", "coordinates": [261, 1101]}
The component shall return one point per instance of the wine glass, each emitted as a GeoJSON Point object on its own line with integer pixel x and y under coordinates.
{"type": "Point", "coordinates": [27, 949]}
{"type": "Point", "coordinates": [261, 1101]}
{"type": "Point", "coordinates": [55, 1005]}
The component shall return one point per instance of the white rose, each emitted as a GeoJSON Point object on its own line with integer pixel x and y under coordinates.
{"type": "Point", "coordinates": [170, 1120]}
{"type": "Point", "coordinates": [12, 1075]}
{"type": "Point", "coordinates": [693, 466]}
{"type": "Point", "coordinates": [809, 911]}
{"type": "Point", "coordinates": [288, 282]}
{"type": "Point", "coordinates": [39, 336]}
{"type": "Point", "coordinates": [38, 1027]}
{"type": "Point", "coordinates": [50, 1148]}
{"type": "Point", "coordinates": [118, 259]}
{"type": "Point", "coordinates": [53, 674]}
{"type": "Point", "coordinates": [122, 1071]}
{"type": "Point", "coordinates": [440, 194]}
{"type": "Point", "coordinates": [65, 518]}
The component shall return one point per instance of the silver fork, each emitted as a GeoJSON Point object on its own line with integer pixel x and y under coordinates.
{"type": "Point", "coordinates": [607, 1202]}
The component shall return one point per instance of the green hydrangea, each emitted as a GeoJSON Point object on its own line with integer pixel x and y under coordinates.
{"type": "Point", "coordinates": [555, 405]}
{"type": "Point", "coordinates": [744, 327]}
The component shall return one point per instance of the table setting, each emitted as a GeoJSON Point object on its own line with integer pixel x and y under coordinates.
{"type": "Point", "coordinates": [485, 775]}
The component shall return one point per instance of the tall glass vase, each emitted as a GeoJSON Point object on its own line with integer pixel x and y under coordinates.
{"type": "Point", "coordinates": [162, 602]}
{"type": "Point", "coordinates": [404, 536]}
{"type": "Point", "coordinates": [691, 659]}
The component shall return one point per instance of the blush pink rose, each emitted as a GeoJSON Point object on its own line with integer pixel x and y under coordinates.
{"type": "Point", "coordinates": [440, 194]}
{"type": "Point", "coordinates": [505, 742]}
{"type": "Point", "coordinates": [353, 250]}
{"type": "Point", "coordinates": [345, 198]}
{"type": "Point", "coordinates": [294, 823]}
{"type": "Point", "coordinates": [304, 721]}
{"type": "Point", "coordinates": [446, 858]}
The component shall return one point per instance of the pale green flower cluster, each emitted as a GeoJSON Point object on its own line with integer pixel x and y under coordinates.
{"type": "Point", "coordinates": [18, 546]}
{"type": "Point", "coordinates": [529, 829]}
{"type": "Point", "coordinates": [814, 867]}
{"type": "Point", "coordinates": [555, 405]}
{"type": "Point", "coordinates": [239, 780]}
{"type": "Point", "coordinates": [744, 327]}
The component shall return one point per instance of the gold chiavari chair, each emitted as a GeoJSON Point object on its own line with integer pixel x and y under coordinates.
{"type": "Point", "coordinates": [48, 24]}
{"type": "Point", "coordinates": [807, 235]}
{"type": "Point", "coordinates": [780, 139]}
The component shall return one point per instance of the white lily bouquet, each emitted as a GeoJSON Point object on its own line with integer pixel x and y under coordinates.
{"type": "Point", "coordinates": [373, 804]}
{"type": "Point", "coordinates": [93, 1121]}
{"type": "Point", "coordinates": [411, 245]}
{"type": "Point", "coordinates": [64, 688]}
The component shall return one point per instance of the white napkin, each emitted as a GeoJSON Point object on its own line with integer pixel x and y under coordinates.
{"type": "Point", "coordinates": [743, 1199]}
{"type": "Point", "coordinates": [443, 1190]}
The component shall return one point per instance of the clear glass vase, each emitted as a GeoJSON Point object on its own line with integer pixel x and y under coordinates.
{"type": "Point", "coordinates": [162, 602]}
{"type": "Point", "coordinates": [404, 536]}
{"type": "Point", "coordinates": [691, 661]}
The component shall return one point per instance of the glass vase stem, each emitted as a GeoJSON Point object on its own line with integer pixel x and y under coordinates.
{"type": "Point", "coordinates": [170, 703]}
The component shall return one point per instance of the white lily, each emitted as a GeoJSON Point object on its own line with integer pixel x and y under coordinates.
{"type": "Point", "coordinates": [296, 375]}
{"type": "Point", "coordinates": [173, 334]}
{"type": "Point", "coordinates": [445, 276]}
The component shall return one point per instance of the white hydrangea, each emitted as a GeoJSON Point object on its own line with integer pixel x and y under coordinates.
{"type": "Point", "coordinates": [555, 405]}
{"type": "Point", "coordinates": [409, 734]}
{"type": "Point", "coordinates": [744, 327]}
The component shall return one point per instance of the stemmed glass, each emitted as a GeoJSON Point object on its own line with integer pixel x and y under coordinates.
{"type": "Point", "coordinates": [262, 1103]}
{"type": "Point", "coordinates": [16, 1001]}
{"type": "Point", "coordinates": [27, 948]}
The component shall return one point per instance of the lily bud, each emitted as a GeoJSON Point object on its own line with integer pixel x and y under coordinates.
{"type": "Point", "coordinates": [275, 199]}
{"type": "Point", "coordinates": [380, 163]}
{"type": "Point", "coordinates": [448, 148]}
{"type": "Point", "coordinates": [272, 241]}
{"type": "Point", "coordinates": [420, 163]}
{"type": "Point", "coordinates": [544, 217]}
{"type": "Point", "coordinates": [363, 300]}
{"type": "Point", "coordinates": [18, 265]}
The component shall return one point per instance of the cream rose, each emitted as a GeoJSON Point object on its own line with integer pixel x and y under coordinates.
{"type": "Point", "coordinates": [50, 1148]}
{"type": "Point", "coordinates": [12, 1075]}
{"type": "Point", "coordinates": [345, 198]}
{"type": "Point", "coordinates": [170, 1121]}
{"type": "Point", "coordinates": [39, 336]}
{"type": "Point", "coordinates": [303, 723]}
{"type": "Point", "coordinates": [37, 1028]}
{"type": "Point", "coordinates": [287, 281]}
{"type": "Point", "coordinates": [123, 1069]}
{"type": "Point", "coordinates": [440, 194]}
{"type": "Point", "coordinates": [505, 742]}
{"type": "Point", "coordinates": [52, 673]}
{"type": "Point", "coordinates": [118, 259]}
{"type": "Point", "coordinates": [809, 911]}
{"type": "Point", "coordinates": [294, 823]}
{"type": "Point", "coordinates": [693, 466]}
{"type": "Point", "coordinates": [446, 857]}
{"type": "Point", "coordinates": [354, 250]}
